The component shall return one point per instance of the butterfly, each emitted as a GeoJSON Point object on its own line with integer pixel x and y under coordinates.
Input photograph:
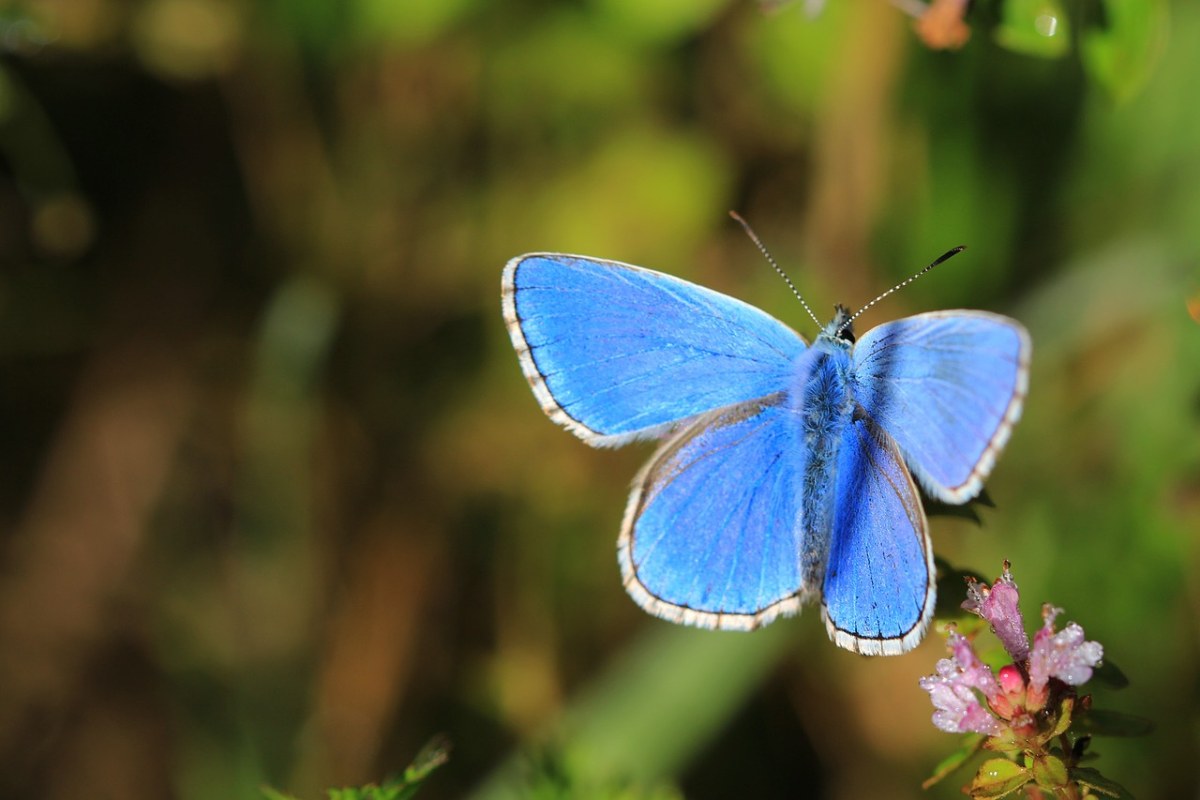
{"type": "Point", "coordinates": [787, 472]}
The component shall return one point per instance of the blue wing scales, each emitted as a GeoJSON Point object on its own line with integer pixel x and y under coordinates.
{"type": "Point", "coordinates": [948, 387]}
{"type": "Point", "coordinates": [615, 352]}
{"type": "Point", "coordinates": [711, 533]}
{"type": "Point", "coordinates": [879, 591]}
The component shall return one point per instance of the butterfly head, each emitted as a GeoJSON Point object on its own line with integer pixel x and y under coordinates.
{"type": "Point", "coordinates": [840, 327]}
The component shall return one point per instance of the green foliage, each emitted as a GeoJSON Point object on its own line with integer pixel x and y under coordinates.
{"type": "Point", "coordinates": [1118, 41]}
{"type": "Point", "coordinates": [967, 748]}
{"type": "Point", "coordinates": [1050, 773]}
{"type": "Point", "coordinates": [1099, 786]}
{"type": "Point", "coordinates": [643, 720]}
{"type": "Point", "coordinates": [1099, 722]}
{"type": "Point", "coordinates": [663, 22]}
{"type": "Point", "coordinates": [1035, 27]}
{"type": "Point", "coordinates": [1120, 54]}
{"type": "Point", "coordinates": [999, 777]}
{"type": "Point", "coordinates": [548, 775]}
{"type": "Point", "coordinates": [1109, 674]}
{"type": "Point", "coordinates": [1119, 45]}
{"type": "Point", "coordinates": [404, 787]}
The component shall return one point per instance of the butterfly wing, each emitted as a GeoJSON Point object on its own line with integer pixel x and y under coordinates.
{"type": "Point", "coordinates": [711, 533]}
{"type": "Point", "coordinates": [948, 386]}
{"type": "Point", "coordinates": [616, 352]}
{"type": "Point", "coordinates": [879, 590]}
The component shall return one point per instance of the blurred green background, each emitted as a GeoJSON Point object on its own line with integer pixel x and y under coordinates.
{"type": "Point", "coordinates": [276, 505]}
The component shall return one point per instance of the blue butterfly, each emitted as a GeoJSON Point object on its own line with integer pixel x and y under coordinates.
{"type": "Point", "coordinates": [787, 471]}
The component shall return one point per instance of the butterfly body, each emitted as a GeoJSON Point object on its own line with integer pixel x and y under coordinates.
{"type": "Point", "coordinates": [822, 402]}
{"type": "Point", "coordinates": [785, 472]}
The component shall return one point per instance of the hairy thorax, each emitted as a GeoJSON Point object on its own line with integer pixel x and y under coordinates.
{"type": "Point", "coordinates": [822, 401]}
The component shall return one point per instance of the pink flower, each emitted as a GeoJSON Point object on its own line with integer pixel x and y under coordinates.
{"type": "Point", "coordinates": [1011, 681]}
{"type": "Point", "coordinates": [958, 710]}
{"type": "Point", "coordinates": [1063, 655]}
{"type": "Point", "coordinates": [952, 691]}
{"type": "Point", "coordinates": [998, 606]}
{"type": "Point", "coordinates": [1025, 708]}
{"type": "Point", "coordinates": [1011, 699]}
{"type": "Point", "coordinates": [968, 696]}
{"type": "Point", "coordinates": [974, 673]}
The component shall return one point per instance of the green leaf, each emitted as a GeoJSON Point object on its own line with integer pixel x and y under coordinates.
{"type": "Point", "coordinates": [1121, 54]}
{"type": "Point", "coordinates": [1110, 675]}
{"type": "Point", "coordinates": [1099, 722]}
{"type": "Point", "coordinates": [1098, 784]}
{"type": "Point", "coordinates": [1035, 28]}
{"type": "Point", "coordinates": [969, 746]}
{"type": "Point", "coordinates": [1003, 742]}
{"type": "Point", "coordinates": [1064, 717]}
{"type": "Point", "coordinates": [999, 777]}
{"type": "Point", "coordinates": [1050, 772]}
{"type": "Point", "coordinates": [434, 754]}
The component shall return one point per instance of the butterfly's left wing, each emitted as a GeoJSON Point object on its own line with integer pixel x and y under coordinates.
{"type": "Point", "coordinates": [879, 590]}
{"type": "Point", "coordinates": [712, 531]}
{"type": "Point", "coordinates": [615, 352]}
{"type": "Point", "coordinates": [948, 386]}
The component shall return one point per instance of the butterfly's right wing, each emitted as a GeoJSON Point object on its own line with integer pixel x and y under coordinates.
{"type": "Point", "coordinates": [615, 352]}
{"type": "Point", "coordinates": [948, 386]}
{"type": "Point", "coordinates": [712, 534]}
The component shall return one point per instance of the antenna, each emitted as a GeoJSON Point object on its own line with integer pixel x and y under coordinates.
{"type": "Point", "coordinates": [943, 257]}
{"type": "Point", "coordinates": [763, 248]}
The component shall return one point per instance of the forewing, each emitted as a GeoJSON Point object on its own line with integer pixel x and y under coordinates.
{"type": "Point", "coordinates": [711, 533]}
{"type": "Point", "coordinates": [948, 386]}
{"type": "Point", "coordinates": [615, 352]}
{"type": "Point", "coordinates": [879, 591]}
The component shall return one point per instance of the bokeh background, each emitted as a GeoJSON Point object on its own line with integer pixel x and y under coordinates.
{"type": "Point", "coordinates": [277, 507]}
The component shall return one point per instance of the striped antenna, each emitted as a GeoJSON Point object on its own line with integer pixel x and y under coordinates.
{"type": "Point", "coordinates": [763, 249]}
{"type": "Point", "coordinates": [944, 257]}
